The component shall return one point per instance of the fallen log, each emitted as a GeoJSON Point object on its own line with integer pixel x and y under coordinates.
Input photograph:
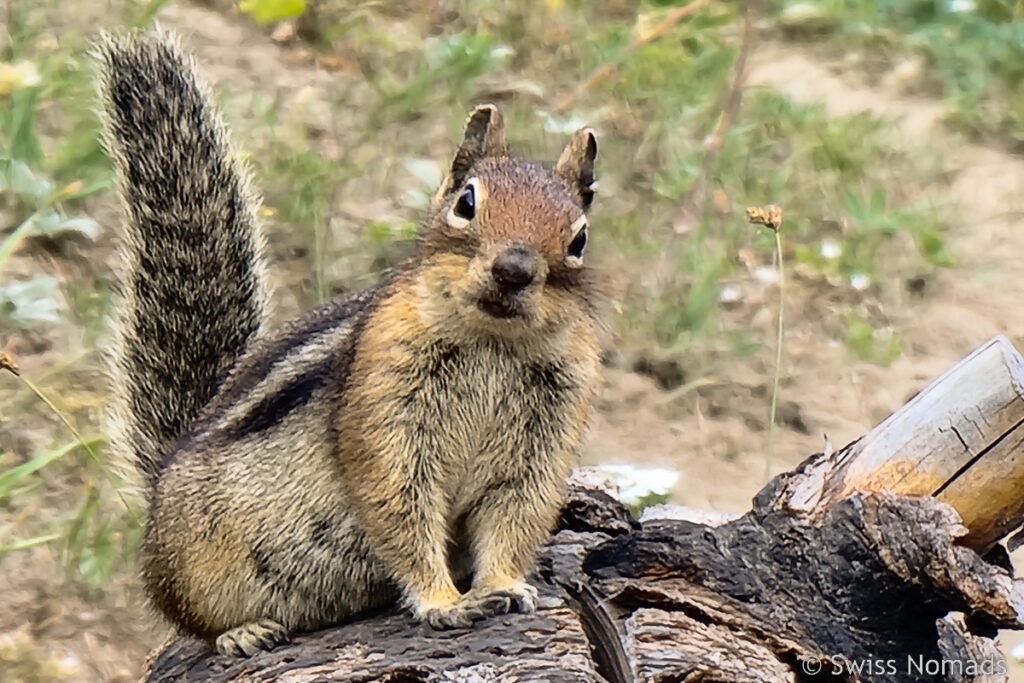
{"type": "Point", "coordinates": [876, 562]}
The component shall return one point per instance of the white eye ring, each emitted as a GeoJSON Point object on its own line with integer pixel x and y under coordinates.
{"type": "Point", "coordinates": [578, 228]}
{"type": "Point", "coordinates": [473, 189]}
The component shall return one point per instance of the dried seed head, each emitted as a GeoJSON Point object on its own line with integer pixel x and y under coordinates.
{"type": "Point", "coordinates": [769, 216]}
{"type": "Point", "coordinates": [7, 359]}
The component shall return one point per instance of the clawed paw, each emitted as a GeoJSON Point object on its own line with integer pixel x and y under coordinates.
{"type": "Point", "coordinates": [514, 597]}
{"type": "Point", "coordinates": [248, 639]}
{"type": "Point", "coordinates": [482, 602]}
{"type": "Point", "coordinates": [453, 616]}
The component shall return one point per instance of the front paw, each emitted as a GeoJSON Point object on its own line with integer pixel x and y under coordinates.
{"type": "Point", "coordinates": [442, 610]}
{"type": "Point", "coordinates": [482, 602]}
{"type": "Point", "coordinates": [452, 616]}
{"type": "Point", "coordinates": [512, 596]}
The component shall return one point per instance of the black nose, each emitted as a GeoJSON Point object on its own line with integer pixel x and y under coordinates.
{"type": "Point", "coordinates": [515, 267]}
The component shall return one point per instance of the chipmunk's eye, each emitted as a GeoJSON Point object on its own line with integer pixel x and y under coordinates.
{"type": "Point", "coordinates": [465, 207]}
{"type": "Point", "coordinates": [578, 244]}
{"type": "Point", "coordinates": [574, 252]}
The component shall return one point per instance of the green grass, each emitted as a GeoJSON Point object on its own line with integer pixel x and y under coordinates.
{"type": "Point", "coordinates": [834, 177]}
{"type": "Point", "coordinates": [455, 60]}
{"type": "Point", "coordinates": [973, 50]}
{"type": "Point", "coordinates": [846, 217]}
{"type": "Point", "coordinates": [52, 167]}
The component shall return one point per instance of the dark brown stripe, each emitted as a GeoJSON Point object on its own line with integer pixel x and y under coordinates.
{"type": "Point", "coordinates": [276, 407]}
{"type": "Point", "coordinates": [257, 365]}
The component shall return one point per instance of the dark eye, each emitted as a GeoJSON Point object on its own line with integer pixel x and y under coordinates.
{"type": "Point", "coordinates": [578, 244]}
{"type": "Point", "coordinates": [465, 207]}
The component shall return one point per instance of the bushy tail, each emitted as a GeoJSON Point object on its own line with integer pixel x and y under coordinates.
{"type": "Point", "coordinates": [193, 290]}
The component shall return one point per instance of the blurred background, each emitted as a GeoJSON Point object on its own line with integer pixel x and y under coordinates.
{"type": "Point", "coordinates": [888, 131]}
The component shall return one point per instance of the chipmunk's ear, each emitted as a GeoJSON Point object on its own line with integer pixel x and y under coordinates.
{"type": "Point", "coordinates": [577, 165]}
{"type": "Point", "coordinates": [484, 137]}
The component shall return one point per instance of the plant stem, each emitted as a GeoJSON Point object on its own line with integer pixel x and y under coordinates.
{"type": "Point", "coordinates": [778, 359]}
{"type": "Point", "coordinates": [85, 444]}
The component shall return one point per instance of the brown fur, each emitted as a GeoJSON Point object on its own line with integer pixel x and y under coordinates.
{"type": "Point", "coordinates": [393, 443]}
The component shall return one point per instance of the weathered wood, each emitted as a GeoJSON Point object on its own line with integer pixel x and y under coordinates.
{"type": "Point", "coordinates": [754, 599]}
{"type": "Point", "coordinates": [822, 579]}
{"type": "Point", "coordinates": [978, 658]}
{"type": "Point", "coordinates": [868, 580]}
{"type": "Point", "coordinates": [961, 439]}
{"type": "Point", "coordinates": [924, 444]}
{"type": "Point", "coordinates": [546, 646]}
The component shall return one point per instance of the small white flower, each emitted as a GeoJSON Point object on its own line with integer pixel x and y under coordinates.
{"type": "Point", "coordinates": [860, 281]}
{"type": "Point", "coordinates": [502, 52]}
{"type": "Point", "coordinates": [960, 6]}
{"type": "Point", "coordinates": [729, 294]}
{"type": "Point", "coordinates": [830, 249]}
{"type": "Point", "coordinates": [636, 483]}
{"type": "Point", "coordinates": [766, 276]}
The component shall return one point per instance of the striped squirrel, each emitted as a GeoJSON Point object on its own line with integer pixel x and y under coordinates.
{"type": "Point", "coordinates": [392, 444]}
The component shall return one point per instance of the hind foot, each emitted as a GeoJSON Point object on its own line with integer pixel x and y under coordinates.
{"type": "Point", "coordinates": [248, 639]}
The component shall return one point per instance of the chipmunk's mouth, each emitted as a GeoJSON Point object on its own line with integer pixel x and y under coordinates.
{"type": "Point", "coordinates": [499, 307]}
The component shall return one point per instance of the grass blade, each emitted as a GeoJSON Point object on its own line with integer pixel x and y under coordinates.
{"type": "Point", "coordinates": [28, 543]}
{"type": "Point", "coordinates": [10, 478]}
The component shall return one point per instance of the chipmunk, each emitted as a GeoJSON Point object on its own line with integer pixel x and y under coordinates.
{"type": "Point", "coordinates": [387, 445]}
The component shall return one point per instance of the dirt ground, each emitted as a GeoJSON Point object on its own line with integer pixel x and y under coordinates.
{"type": "Point", "coordinates": [718, 452]}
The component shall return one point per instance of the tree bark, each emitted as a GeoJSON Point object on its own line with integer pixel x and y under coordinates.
{"type": "Point", "coordinates": [836, 573]}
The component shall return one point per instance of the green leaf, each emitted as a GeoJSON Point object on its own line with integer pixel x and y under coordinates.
{"type": "Point", "coordinates": [270, 11]}
{"type": "Point", "coordinates": [934, 248]}
{"type": "Point", "coordinates": [150, 11]}
{"type": "Point", "coordinates": [878, 200]}
{"type": "Point", "coordinates": [19, 126]}
{"type": "Point", "coordinates": [35, 300]}
{"type": "Point", "coordinates": [860, 338]}
{"type": "Point", "coordinates": [21, 180]}
{"type": "Point", "coordinates": [867, 343]}
{"type": "Point", "coordinates": [81, 224]}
